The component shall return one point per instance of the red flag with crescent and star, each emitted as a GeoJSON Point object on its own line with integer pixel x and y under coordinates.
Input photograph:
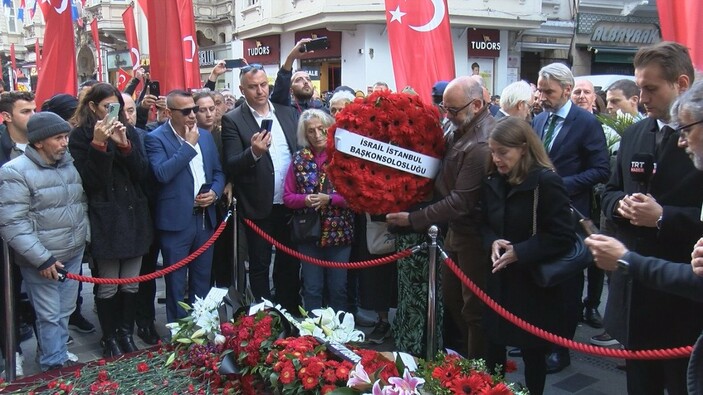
{"type": "Point", "coordinates": [173, 50]}
{"type": "Point", "coordinates": [421, 44]}
{"type": "Point", "coordinates": [679, 21]}
{"type": "Point", "coordinates": [130, 31]}
{"type": "Point", "coordinates": [123, 78]}
{"type": "Point", "coordinates": [59, 52]}
{"type": "Point", "coordinates": [96, 41]}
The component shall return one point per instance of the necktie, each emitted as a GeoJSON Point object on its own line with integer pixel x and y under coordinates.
{"type": "Point", "coordinates": [662, 137]}
{"type": "Point", "coordinates": [550, 131]}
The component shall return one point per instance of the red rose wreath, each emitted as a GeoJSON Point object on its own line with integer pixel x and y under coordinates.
{"type": "Point", "coordinates": [398, 119]}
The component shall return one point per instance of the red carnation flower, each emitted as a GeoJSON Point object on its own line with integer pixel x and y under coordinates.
{"type": "Point", "coordinates": [103, 376]}
{"type": "Point", "coordinates": [142, 367]}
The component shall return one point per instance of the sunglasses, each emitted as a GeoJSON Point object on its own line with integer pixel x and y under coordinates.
{"type": "Point", "coordinates": [186, 111]}
{"type": "Point", "coordinates": [250, 67]}
{"type": "Point", "coordinates": [454, 111]}
{"type": "Point", "coordinates": [684, 130]}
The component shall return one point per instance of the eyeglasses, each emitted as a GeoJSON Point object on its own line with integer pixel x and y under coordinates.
{"type": "Point", "coordinates": [186, 111]}
{"type": "Point", "coordinates": [250, 67]}
{"type": "Point", "coordinates": [455, 111]}
{"type": "Point", "coordinates": [684, 130]}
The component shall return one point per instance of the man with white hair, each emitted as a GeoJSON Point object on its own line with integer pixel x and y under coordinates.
{"type": "Point", "coordinates": [576, 144]}
{"type": "Point", "coordinates": [340, 100]}
{"type": "Point", "coordinates": [516, 101]}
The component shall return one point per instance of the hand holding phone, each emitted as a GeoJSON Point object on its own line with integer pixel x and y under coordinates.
{"type": "Point", "coordinates": [155, 88]}
{"type": "Point", "coordinates": [113, 111]}
{"type": "Point", "coordinates": [235, 63]}
{"type": "Point", "coordinates": [317, 43]}
{"type": "Point", "coordinates": [205, 188]}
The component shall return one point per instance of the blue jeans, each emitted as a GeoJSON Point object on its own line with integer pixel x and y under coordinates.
{"type": "Point", "coordinates": [176, 246]}
{"type": "Point", "coordinates": [53, 301]}
{"type": "Point", "coordinates": [316, 277]}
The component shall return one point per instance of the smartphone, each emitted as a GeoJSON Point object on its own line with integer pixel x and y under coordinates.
{"type": "Point", "coordinates": [318, 43]}
{"type": "Point", "coordinates": [235, 63]}
{"type": "Point", "coordinates": [205, 188]}
{"type": "Point", "coordinates": [146, 68]}
{"type": "Point", "coordinates": [155, 88]}
{"type": "Point", "coordinates": [113, 110]}
{"type": "Point", "coordinates": [266, 124]}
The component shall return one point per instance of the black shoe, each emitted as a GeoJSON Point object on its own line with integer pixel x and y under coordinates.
{"type": "Point", "coordinates": [148, 334]}
{"type": "Point", "coordinates": [557, 361]}
{"type": "Point", "coordinates": [78, 323]}
{"type": "Point", "coordinates": [69, 341]}
{"type": "Point", "coordinates": [380, 333]}
{"type": "Point", "coordinates": [110, 347]}
{"type": "Point", "coordinates": [592, 318]}
{"type": "Point", "coordinates": [515, 353]}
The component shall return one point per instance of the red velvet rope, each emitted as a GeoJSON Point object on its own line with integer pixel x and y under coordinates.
{"type": "Point", "coordinates": [670, 353]}
{"type": "Point", "coordinates": [338, 265]}
{"type": "Point", "coordinates": [158, 273]}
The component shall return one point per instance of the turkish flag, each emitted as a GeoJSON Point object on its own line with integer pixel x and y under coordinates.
{"type": "Point", "coordinates": [679, 20]}
{"type": "Point", "coordinates": [96, 41]}
{"type": "Point", "coordinates": [173, 52]}
{"type": "Point", "coordinates": [421, 44]}
{"type": "Point", "coordinates": [130, 30]}
{"type": "Point", "coordinates": [13, 61]}
{"type": "Point", "coordinates": [59, 56]}
{"type": "Point", "coordinates": [123, 78]}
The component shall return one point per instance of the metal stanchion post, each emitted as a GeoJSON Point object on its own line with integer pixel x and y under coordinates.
{"type": "Point", "coordinates": [431, 297]}
{"type": "Point", "coordinates": [10, 340]}
{"type": "Point", "coordinates": [235, 246]}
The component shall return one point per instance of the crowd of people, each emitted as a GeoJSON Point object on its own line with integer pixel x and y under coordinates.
{"type": "Point", "coordinates": [82, 182]}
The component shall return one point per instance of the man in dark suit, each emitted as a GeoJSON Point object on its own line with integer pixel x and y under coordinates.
{"type": "Point", "coordinates": [184, 159]}
{"type": "Point", "coordinates": [576, 145]}
{"type": "Point", "coordinates": [258, 161]}
{"type": "Point", "coordinates": [658, 217]}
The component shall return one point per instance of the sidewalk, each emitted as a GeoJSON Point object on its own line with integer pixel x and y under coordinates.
{"type": "Point", "coordinates": [587, 375]}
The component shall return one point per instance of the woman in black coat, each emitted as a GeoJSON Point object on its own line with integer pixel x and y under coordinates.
{"type": "Point", "coordinates": [111, 165]}
{"type": "Point", "coordinates": [520, 167]}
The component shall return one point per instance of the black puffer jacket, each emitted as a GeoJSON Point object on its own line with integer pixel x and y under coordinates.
{"type": "Point", "coordinates": [120, 223]}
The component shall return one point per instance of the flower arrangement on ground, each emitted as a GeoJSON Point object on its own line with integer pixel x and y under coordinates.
{"type": "Point", "coordinates": [451, 374]}
{"type": "Point", "coordinates": [331, 326]}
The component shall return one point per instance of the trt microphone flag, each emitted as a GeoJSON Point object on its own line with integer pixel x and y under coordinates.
{"type": "Point", "coordinates": [421, 44]}
{"type": "Point", "coordinates": [679, 21]}
{"type": "Point", "coordinates": [59, 52]}
{"type": "Point", "coordinates": [173, 52]}
{"type": "Point", "coordinates": [123, 78]}
{"type": "Point", "coordinates": [130, 30]}
{"type": "Point", "coordinates": [96, 41]}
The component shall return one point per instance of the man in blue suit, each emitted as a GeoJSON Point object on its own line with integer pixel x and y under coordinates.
{"type": "Point", "coordinates": [186, 166]}
{"type": "Point", "coordinates": [576, 145]}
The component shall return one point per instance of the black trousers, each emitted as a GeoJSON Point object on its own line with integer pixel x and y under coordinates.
{"type": "Point", "coordinates": [535, 364]}
{"type": "Point", "coordinates": [653, 377]}
{"type": "Point", "coordinates": [146, 313]}
{"type": "Point", "coordinates": [286, 269]}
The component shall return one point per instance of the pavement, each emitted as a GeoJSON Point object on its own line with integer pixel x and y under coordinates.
{"type": "Point", "coordinates": [587, 375]}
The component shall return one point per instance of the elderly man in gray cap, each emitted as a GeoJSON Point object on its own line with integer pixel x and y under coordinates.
{"type": "Point", "coordinates": [43, 217]}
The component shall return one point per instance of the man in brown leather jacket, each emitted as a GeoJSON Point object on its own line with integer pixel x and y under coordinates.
{"type": "Point", "coordinates": [458, 185]}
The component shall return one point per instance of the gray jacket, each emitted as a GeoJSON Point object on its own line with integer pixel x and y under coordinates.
{"type": "Point", "coordinates": [43, 209]}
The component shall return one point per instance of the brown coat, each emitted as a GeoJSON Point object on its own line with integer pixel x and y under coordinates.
{"type": "Point", "coordinates": [459, 181]}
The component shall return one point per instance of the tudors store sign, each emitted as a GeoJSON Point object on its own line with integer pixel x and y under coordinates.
{"type": "Point", "coordinates": [625, 33]}
{"type": "Point", "coordinates": [263, 50]}
{"type": "Point", "coordinates": [484, 43]}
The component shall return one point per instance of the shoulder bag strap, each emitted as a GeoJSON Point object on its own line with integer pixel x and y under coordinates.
{"type": "Point", "coordinates": [534, 211]}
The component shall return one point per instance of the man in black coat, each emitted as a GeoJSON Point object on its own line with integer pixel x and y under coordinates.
{"type": "Point", "coordinates": [257, 159]}
{"type": "Point", "coordinates": [298, 84]}
{"type": "Point", "coordinates": [658, 216]}
{"type": "Point", "coordinates": [576, 145]}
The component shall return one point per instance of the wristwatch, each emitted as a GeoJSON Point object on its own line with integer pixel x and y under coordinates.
{"type": "Point", "coordinates": [623, 265]}
{"type": "Point", "coordinates": [659, 221]}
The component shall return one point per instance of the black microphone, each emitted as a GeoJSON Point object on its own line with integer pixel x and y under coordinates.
{"type": "Point", "coordinates": [641, 170]}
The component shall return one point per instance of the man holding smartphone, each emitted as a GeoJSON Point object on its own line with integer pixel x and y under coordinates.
{"type": "Point", "coordinates": [186, 165]}
{"type": "Point", "coordinates": [298, 83]}
{"type": "Point", "coordinates": [259, 138]}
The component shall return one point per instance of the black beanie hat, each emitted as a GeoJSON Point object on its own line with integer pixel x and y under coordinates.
{"type": "Point", "coordinates": [43, 125]}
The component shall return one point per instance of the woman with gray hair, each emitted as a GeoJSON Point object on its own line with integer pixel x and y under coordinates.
{"type": "Point", "coordinates": [308, 190]}
{"type": "Point", "coordinates": [516, 100]}
{"type": "Point", "coordinates": [340, 100]}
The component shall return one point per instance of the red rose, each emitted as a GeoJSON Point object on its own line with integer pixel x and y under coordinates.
{"type": "Point", "coordinates": [142, 367]}
{"type": "Point", "coordinates": [102, 375]}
